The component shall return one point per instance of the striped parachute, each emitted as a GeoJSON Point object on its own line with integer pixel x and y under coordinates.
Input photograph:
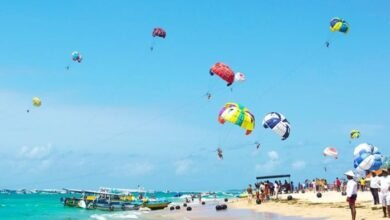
{"type": "Point", "coordinates": [224, 72]}
{"type": "Point", "coordinates": [355, 134]}
{"type": "Point", "coordinates": [367, 158]}
{"type": "Point", "coordinates": [331, 152]}
{"type": "Point", "coordinates": [278, 123]}
{"type": "Point", "coordinates": [238, 115]}
{"type": "Point", "coordinates": [339, 25]}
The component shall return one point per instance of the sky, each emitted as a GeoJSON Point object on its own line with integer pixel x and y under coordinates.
{"type": "Point", "coordinates": [128, 116]}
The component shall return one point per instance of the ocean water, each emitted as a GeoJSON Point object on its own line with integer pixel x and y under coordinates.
{"type": "Point", "coordinates": [49, 206]}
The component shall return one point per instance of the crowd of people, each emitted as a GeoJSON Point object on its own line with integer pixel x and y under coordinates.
{"type": "Point", "coordinates": [377, 182]}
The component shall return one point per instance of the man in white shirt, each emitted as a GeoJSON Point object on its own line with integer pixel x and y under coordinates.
{"type": "Point", "coordinates": [276, 189]}
{"type": "Point", "coordinates": [374, 187]}
{"type": "Point", "coordinates": [384, 187]}
{"type": "Point", "coordinates": [351, 192]}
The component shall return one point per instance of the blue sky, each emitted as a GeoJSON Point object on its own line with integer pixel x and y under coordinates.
{"type": "Point", "coordinates": [129, 116]}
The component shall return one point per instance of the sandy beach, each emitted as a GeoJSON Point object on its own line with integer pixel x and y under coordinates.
{"type": "Point", "coordinates": [208, 212]}
{"type": "Point", "coordinates": [331, 206]}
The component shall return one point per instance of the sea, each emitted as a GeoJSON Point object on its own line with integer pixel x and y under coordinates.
{"type": "Point", "coordinates": [48, 206]}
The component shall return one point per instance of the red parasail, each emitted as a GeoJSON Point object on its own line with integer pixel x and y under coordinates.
{"type": "Point", "coordinates": [159, 32]}
{"type": "Point", "coordinates": [223, 71]}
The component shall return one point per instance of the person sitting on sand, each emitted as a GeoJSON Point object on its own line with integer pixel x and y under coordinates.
{"type": "Point", "coordinates": [351, 192]}
{"type": "Point", "coordinates": [384, 187]}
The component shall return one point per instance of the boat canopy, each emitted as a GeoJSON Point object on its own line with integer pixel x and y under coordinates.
{"type": "Point", "coordinates": [274, 177]}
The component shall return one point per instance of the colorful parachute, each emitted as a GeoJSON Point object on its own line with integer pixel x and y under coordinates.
{"type": "Point", "coordinates": [278, 123]}
{"type": "Point", "coordinates": [238, 115]}
{"type": "Point", "coordinates": [355, 134]}
{"type": "Point", "coordinates": [36, 102]}
{"type": "Point", "coordinates": [340, 25]}
{"type": "Point", "coordinates": [159, 32]}
{"type": "Point", "coordinates": [76, 56]}
{"type": "Point", "coordinates": [367, 157]}
{"type": "Point", "coordinates": [223, 71]}
{"type": "Point", "coordinates": [239, 77]}
{"type": "Point", "coordinates": [332, 152]}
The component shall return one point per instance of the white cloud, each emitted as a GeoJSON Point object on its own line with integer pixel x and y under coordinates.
{"type": "Point", "coordinates": [298, 165]}
{"type": "Point", "coordinates": [273, 155]}
{"type": "Point", "coordinates": [140, 168]}
{"type": "Point", "coordinates": [34, 153]}
{"type": "Point", "coordinates": [182, 166]}
{"type": "Point", "coordinates": [271, 164]}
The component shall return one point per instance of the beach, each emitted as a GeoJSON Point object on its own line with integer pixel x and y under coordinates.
{"type": "Point", "coordinates": [208, 212]}
{"type": "Point", "coordinates": [330, 206]}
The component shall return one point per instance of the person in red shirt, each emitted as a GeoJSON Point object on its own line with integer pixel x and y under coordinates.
{"type": "Point", "coordinates": [338, 184]}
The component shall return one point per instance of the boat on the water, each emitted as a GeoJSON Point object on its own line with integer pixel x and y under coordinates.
{"type": "Point", "coordinates": [112, 200]}
{"type": "Point", "coordinates": [156, 204]}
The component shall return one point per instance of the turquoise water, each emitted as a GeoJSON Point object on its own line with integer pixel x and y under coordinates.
{"type": "Point", "coordinates": [37, 206]}
{"type": "Point", "coordinates": [49, 206]}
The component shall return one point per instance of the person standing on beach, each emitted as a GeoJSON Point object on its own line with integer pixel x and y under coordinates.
{"type": "Point", "coordinates": [276, 185]}
{"type": "Point", "coordinates": [384, 187]}
{"type": "Point", "coordinates": [338, 184]}
{"type": "Point", "coordinates": [200, 197]}
{"type": "Point", "coordinates": [313, 185]}
{"type": "Point", "coordinates": [374, 187]}
{"type": "Point", "coordinates": [249, 190]}
{"type": "Point", "coordinates": [351, 193]}
{"type": "Point", "coordinates": [362, 184]}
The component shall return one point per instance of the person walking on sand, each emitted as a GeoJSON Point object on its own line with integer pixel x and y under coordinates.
{"type": "Point", "coordinates": [384, 187]}
{"type": "Point", "coordinates": [374, 187]}
{"type": "Point", "coordinates": [249, 190]}
{"type": "Point", "coordinates": [351, 192]}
